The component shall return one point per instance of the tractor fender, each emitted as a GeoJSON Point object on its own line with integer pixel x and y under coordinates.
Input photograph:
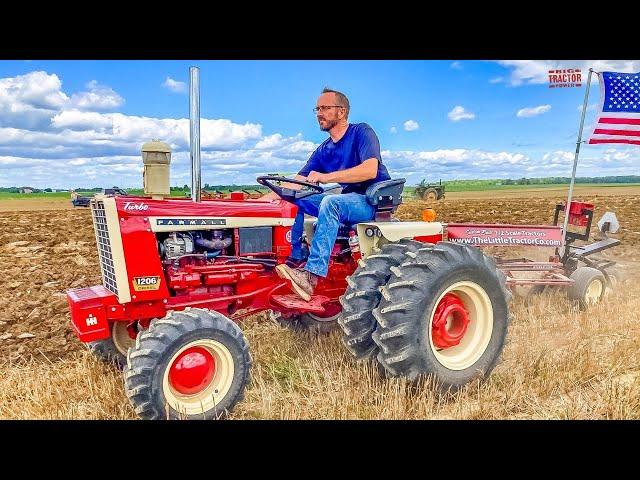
{"type": "Point", "coordinates": [372, 235]}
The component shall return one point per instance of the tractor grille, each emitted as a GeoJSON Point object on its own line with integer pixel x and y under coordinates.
{"type": "Point", "coordinates": [104, 246]}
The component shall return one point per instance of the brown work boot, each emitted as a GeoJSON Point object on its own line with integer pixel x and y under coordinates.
{"type": "Point", "coordinates": [294, 262]}
{"type": "Point", "coordinates": [302, 281]}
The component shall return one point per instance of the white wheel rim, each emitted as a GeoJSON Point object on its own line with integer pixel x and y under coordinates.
{"type": "Point", "coordinates": [210, 396]}
{"type": "Point", "coordinates": [594, 292]}
{"type": "Point", "coordinates": [479, 330]}
{"type": "Point", "coordinates": [121, 338]}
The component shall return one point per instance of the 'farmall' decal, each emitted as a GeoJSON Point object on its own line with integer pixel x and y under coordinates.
{"type": "Point", "coordinates": [133, 206]}
{"type": "Point", "coordinates": [191, 221]}
{"type": "Point", "coordinates": [146, 283]}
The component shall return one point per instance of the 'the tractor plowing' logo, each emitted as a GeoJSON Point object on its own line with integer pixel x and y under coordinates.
{"type": "Point", "coordinates": [146, 283]}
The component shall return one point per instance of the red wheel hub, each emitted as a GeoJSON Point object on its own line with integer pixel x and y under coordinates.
{"type": "Point", "coordinates": [192, 371]}
{"type": "Point", "coordinates": [450, 322]}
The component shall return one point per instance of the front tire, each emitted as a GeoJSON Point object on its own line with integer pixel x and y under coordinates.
{"type": "Point", "coordinates": [192, 364]}
{"type": "Point", "coordinates": [444, 313]}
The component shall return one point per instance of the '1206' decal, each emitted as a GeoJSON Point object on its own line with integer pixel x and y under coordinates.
{"type": "Point", "coordinates": [146, 283]}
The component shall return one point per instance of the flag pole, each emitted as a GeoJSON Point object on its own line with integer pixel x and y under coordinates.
{"type": "Point", "coordinates": [575, 162]}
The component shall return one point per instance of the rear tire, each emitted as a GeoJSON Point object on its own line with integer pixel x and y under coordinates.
{"type": "Point", "coordinates": [415, 318]}
{"type": "Point", "coordinates": [363, 295]}
{"type": "Point", "coordinates": [431, 194]}
{"type": "Point", "coordinates": [589, 286]}
{"type": "Point", "coordinates": [192, 364]}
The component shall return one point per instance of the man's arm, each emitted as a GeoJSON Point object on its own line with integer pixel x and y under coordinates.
{"type": "Point", "coordinates": [365, 171]}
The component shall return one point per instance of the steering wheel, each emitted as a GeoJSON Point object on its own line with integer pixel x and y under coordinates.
{"type": "Point", "coordinates": [289, 194]}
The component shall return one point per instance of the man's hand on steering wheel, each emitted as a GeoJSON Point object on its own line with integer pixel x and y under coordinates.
{"type": "Point", "coordinates": [317, 177]}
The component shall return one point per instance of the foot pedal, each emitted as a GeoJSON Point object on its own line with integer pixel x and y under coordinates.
{"type": "Point", "coordinates": [294, 302]}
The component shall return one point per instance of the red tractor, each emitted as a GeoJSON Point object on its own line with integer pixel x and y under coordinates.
{"type": "Point", "coordinates": [177, 274]}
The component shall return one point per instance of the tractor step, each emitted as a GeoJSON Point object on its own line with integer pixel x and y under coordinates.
{"type": "Point", "coordinates": [294, 302]}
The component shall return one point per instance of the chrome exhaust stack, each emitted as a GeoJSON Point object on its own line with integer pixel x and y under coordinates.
{"type": "Point", "coordinates": [194, 131]}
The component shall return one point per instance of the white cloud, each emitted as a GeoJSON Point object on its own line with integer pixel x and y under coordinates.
{"type": "Point", "coordinates": [270, 141]}
{"type": "Point", "coordinates": [459, 113]}
{"type": "Point", "coordinates": [175, 85]}
{"type": "Point", "coordinates": [525, 72]}
{"type": "Point", "coordinates": [393, 130]}
{"type": "Point", "coordinates": [497, 80]}
{"type": "Point", "coordinates": [98, 97]}
{"type": "Point", "coordinates": [38, 89]}
{"type": "Point", "coordinates": [77, 120]}
{"type": "Point", "coordinates": [456, 65]}
{"type": "Point", "coordinates": [30, 100]}
{"type": "Point", "coordinates": [411, 125]}
{"type": "Point", "coordinates": [533, 111]}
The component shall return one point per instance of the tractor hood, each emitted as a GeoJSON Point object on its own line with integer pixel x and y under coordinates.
{"type": "Point", "coordinates": [184, 207]}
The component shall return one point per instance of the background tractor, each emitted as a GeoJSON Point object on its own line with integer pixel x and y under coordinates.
{"type": "Point", "coordinates": [429, 191]}
{"type": "Point", "coordinates": [177, 274]}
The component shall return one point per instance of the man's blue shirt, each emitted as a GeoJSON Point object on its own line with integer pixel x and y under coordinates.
{"type": "Point", "coordinates": [359, 143]}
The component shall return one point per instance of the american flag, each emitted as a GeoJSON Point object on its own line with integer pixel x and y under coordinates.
{"type": "Point", "coordinates": [619, 117]}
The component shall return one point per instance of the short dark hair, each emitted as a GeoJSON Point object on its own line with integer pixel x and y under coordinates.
{"type": "Point", "coordinates": [342, 99]}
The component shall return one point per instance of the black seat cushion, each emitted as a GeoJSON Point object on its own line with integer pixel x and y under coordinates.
{"type": "Point", "coordinates": [382, 192]}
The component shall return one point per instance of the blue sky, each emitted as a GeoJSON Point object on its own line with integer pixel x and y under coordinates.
{"type": "Point", "coordinates": [81, 123]}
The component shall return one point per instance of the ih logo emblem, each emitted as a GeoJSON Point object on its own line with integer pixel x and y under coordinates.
{"type": "Point", "coordinates": [91, 320]}
{"type": "Point", "coordinates": [146, 283]}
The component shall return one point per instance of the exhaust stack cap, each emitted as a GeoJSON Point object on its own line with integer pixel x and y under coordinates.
{"type": "Point", "coordinates": [156, 152]}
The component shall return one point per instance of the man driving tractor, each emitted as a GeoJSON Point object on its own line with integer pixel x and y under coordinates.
{"type": "Point", "coordinates": [350, 157]}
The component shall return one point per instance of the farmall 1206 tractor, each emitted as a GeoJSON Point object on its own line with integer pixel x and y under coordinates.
{"type": "Point", "coordinates": [178, 273]}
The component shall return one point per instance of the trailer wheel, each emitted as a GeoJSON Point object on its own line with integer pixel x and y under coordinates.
{"type": "Point", "coordinates": [113, 350]}
{"type": "Point", "coordinates": [588, 288]}
{"type": "Point", "coordinates": [192, 364]}
{"type": "Point", "coordinates": [614, 280]}
{"type": "Point", "coordinates": [444, 313]}
{"type": "Point", "coordinates": [363, 295]}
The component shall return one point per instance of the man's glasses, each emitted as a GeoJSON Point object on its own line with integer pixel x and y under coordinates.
{"type": "Point", "coordinates": [323, 108]}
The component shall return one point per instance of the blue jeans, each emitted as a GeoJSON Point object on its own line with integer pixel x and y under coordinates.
{"type": "Point", "coordinates": [331, 210]}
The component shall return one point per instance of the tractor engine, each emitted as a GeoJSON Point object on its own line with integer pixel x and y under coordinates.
{"type": "Point", "coordinates": [214, 261]}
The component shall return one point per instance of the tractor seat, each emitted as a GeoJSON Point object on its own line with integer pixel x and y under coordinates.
{"type": "Point", "coordinates": [386, 196]}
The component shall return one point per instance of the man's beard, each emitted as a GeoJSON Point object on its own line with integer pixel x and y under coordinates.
{"type": "Point", "coordinates": [329, 125]}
